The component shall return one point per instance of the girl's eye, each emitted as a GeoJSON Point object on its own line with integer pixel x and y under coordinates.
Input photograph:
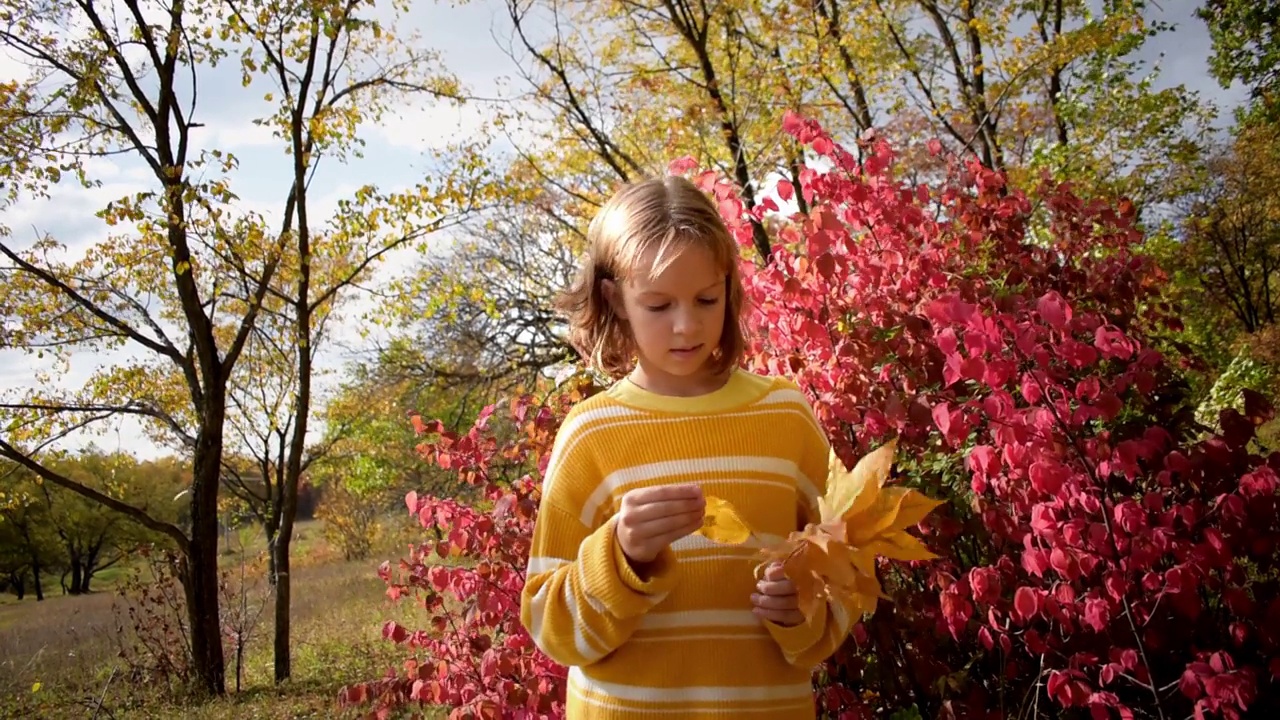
{"type": "Point", "coordinates": [664, 306]}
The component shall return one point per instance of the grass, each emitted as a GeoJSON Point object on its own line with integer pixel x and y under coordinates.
{"type": "Point", "coordinates": [59, 658]}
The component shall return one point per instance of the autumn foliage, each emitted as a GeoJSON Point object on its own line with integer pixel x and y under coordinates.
{"type": "Point", "coordinates": [1099, 554]}
{"type": "Point", "coordinates": [473, 655]}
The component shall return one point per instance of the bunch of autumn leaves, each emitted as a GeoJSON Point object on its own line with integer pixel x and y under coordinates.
{"type": "Point", "coordinates": [860, 519]}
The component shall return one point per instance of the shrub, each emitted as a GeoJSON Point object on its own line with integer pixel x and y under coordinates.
{"type": "Point", "coordinates": [1097, 555]}
{"type": "Point", "coordinates": [474, 655]}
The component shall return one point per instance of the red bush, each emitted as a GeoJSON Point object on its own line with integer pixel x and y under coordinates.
{"type": "Point", "coordinates": [1098, 555]}
{"type": "Point", "coordinates": [474, 655]}
{"type": "Point", "coordinates": [1098, 550]}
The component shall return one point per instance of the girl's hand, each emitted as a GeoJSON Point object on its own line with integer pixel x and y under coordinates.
{"type": "Point", "coordinates": [654, 517]}
{"type": "Point", "coordinates": [776, 599]}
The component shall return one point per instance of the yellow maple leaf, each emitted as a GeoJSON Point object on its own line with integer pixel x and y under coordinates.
{"type": "Point", "coordinates": [860, 520]}
{"type": "Point", "coordinates": [722, 524]}
{"type": "Point", "coordinates": [850, 493]}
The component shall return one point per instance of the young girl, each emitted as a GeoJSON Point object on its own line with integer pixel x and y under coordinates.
{"type": "Point", "coordinates": [653, 620]}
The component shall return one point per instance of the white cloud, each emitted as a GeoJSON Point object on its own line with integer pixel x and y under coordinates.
{"type": "Point", "coordinates": [430, 125]}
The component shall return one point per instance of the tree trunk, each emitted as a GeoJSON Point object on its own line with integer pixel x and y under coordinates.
{"type": "Point", "coordinates": [200, 576]}
{"type": "Point", "coordinates": [89, 565]}
{"type": "Point", "coordinates": [280, 552]}
{"type": "Point", "coordinates": [76, 569]}
{"type": "Point", "coordinates": [272, 530]}
{"type": "Point", "coordinates": [35, 572]}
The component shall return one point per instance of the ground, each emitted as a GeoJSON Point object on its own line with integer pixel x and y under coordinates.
{"type": "Point", "coordinates": [59, 658]}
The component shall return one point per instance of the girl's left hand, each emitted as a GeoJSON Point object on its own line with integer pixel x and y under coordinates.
{"type": "Point", "coordinates": [776, 599]}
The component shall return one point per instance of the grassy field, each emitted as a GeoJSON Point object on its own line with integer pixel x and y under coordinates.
{"type": "Point", "coordinates": [59, 658]}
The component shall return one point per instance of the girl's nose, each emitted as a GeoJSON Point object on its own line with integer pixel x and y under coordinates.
{"type": "Point", "coordinates": [686, 321]}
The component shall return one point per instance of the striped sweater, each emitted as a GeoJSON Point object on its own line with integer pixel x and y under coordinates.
{"type": "Point", "coordinates": [683, 643]}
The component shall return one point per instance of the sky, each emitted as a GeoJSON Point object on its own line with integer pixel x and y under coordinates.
{"type": "Point", "coordinates": [469, 38]}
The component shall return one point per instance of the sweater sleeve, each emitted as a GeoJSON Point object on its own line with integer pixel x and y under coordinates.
{"type": "Point", "coordinates": [581, 598]}
{"type": "Point", "coordinates": [811, 642]}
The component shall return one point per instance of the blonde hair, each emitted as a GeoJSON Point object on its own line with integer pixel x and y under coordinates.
{"type": "Point", "coordinates": [670, 213]}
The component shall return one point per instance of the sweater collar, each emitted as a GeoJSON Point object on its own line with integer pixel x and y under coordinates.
{"type": "Point", "coordinates": [741, 388]}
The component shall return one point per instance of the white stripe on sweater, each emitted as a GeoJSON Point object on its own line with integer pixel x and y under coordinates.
{"type": "Point", "coordinates": [684, 468]}
{"type": "Point", "coordinates": [705, 693]}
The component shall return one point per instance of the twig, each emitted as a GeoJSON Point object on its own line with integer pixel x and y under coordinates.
{"type": "Point", "coordinates": [103, 697]}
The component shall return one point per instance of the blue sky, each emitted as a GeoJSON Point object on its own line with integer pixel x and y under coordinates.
{"type": "Point", "coordinates": [464, 35]}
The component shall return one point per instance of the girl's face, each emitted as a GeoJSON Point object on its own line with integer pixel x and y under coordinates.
{"type": "Point", "coordinates": [676, 319]}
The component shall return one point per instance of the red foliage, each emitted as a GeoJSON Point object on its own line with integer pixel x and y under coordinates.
{"type": "Point", "coordinates": [474, 655]}
{"type": "Point", "coordinates": [1098, 547]}
{"type": "Point", "coordinates": [1098, 555]}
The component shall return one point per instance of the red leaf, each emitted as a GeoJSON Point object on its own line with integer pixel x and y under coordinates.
{"type": "Point", "coordinates": [1026, 604]}
{"type": "Point", "coordinates": [682, 165]}
{"type": "Point", "coordinates": [983, 459]}
{"type": "Point", "coordinates": [1035, 561]}
{"type": "Point", "coordinates": [1048, 476]}
{"type": "Point", "coordinates": [1112, 343]}
{"type": "Point", "coordinates": [942, 417]}
{"type": "Point", "coordinates": [1054, 310]}
{"type": "Point", "coordinates": [1043, 520]}
{"type": "Point", "coordinates": [985, 583]}
{"type": "Point", "coordinates": [1097, 614]}
{"type": "Point", "coordinates": [1031, 389]}
{"type": "Point", "coordinates": [973, 368]}
{"type": "Point", "coordinates": [946, 341]}
{"type": "Point", "coordinates": [950, 309]}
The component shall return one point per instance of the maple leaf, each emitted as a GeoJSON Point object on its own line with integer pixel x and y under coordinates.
{"type": "Point", "coordinates": [722, 524]}
{"type": "Point", "coordinates": [859, 520]}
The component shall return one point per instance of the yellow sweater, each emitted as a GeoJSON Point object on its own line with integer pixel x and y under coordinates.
{"type": "Point", "coordinates": [684, 643]}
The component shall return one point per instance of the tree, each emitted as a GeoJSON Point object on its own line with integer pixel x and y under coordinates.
{"type": "Point", "coordinates": [157, 289]}
{"type": "Point", "coordinates": [336, 65]}
{"type": "Point", "coordinates": [1230, 249]}
{"type": "Point", "coordinates": [622, 86]}
{"type": "Point", "coordinates": [93, 540]}
{"type": "Point", "coordinates": [473, 316]}
{"type": "Point", "coordinates": [371, 441]}
{"type": "Point", "coordinates": [713, 80]}
{"type": "Point", "coordinates": [1246, 48]}
{"type": "Point", "coordinates": [31, 547]}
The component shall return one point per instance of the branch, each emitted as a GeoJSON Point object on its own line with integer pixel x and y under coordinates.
{"type": "Point", "coordinates": [48, 278]}
{"type": "Point", "coordinates": [132, 512]}
{"type": "Point", "coordinates": [610, 152]}
{"type": "Point", "coordinates": [133, 407]}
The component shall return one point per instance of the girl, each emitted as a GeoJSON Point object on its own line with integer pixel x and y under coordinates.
{"type": "Point", "coordinates": [652, 620]}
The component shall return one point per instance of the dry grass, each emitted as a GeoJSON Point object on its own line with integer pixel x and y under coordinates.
{"type": "Point", "coordinates": [69, 646]}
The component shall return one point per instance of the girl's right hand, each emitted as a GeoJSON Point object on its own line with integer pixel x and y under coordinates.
{"type": "Point", "coordinates": [654, 517]}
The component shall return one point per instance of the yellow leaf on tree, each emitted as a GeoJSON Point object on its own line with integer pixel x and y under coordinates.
{"type": "Point", "coordinates": [722, 524]}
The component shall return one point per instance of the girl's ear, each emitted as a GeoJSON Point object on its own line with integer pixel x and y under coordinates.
{"type": "Point", "coordinates": [613, 296]}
